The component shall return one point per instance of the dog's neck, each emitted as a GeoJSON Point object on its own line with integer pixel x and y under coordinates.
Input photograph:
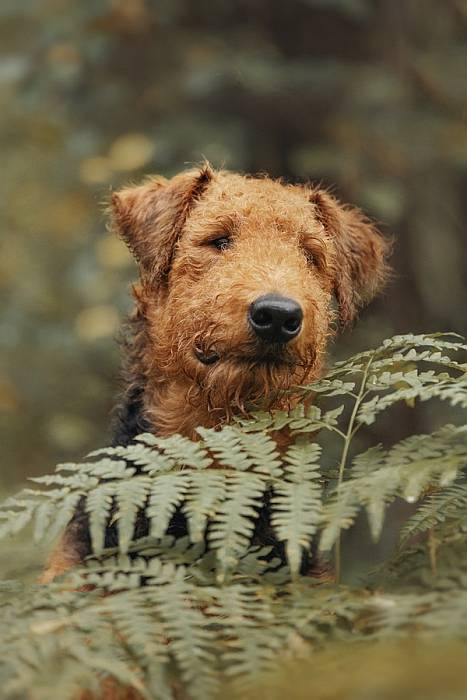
{"type": "Point", "coordinates": [170, 413]}
{"type": "Point", "coordinates": [160, 411]}
{"type": "Point", "coordinates": [173, 408]}
{"type": "Point", "coordinates": [168, 409]}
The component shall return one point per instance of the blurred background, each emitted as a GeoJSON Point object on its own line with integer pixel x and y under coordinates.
{"type": "Point", "coordinates": [367, 96]}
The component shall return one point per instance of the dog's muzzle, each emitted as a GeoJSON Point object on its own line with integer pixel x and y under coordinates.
{"type": "Point", "coordinates": [275, 319]}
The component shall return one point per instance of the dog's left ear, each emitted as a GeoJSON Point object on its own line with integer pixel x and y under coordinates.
{"type": "Point", "coordinates": [359, 268]}
{"type": "Point", "coordinates": [150, 217]}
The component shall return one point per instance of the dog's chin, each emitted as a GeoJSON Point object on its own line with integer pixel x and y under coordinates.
{"type": "Point", "coordinates": [240, 379]}
{"type": "Point", "coordinates": [273, 357]}
{"type": "Point", "coordinates": [270, 359]}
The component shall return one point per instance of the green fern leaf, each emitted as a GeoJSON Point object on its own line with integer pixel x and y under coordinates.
{"type": "Point", "coordinates": [450, 503]}
{"type": "Point", "coordinates": [130, 497]}
{"type": "Point", "coordinates": [207, 490]}
{"type": "Point", "coordinates": [151, 460]}
{"type": "Point", "coordinates": [98, 507]}
{"type": "Point", "coordinates": [167, 493]}
{"type": "Point", "coordinates": [263, 452]}
{"type": "Point", "coordinates": [244, 612]}
{"type": "Point", "coordinates": [50, 521]}
{"type": "Point", "coordinates": [184, 452]}
{"type": "Point", "coordinates": [296, 501]}
{"type": "Point", "coordinates": [338, 513]}
{"type": "Point", "coordinates": [105, 468]}
{"type": "Point", "coordinates": [233, 525]}
{"type": "Point", "coordinates": [15, 519]}
{"type": "Point", "coordinates": [190, 641]}
{"type": "Point", "coordinates": [226, 447]}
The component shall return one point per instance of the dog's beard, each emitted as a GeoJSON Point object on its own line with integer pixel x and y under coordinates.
{"type": "Point", "coordinates": [239, 383]}
{"type": "Point", "coordinates": [228, 375]}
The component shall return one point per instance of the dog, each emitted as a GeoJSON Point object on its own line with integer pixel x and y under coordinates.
{"type": "Point", "coordinates": [243, 281]}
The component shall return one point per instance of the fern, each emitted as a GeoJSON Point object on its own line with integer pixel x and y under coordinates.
{"type": "Point", "coordinates": [406, 470]}
{"type": "Point", "coordinates": [227, 448]}
{"type": "Point", "coordinates": [296, 502]}
{"type": "Point", "coordinates": [186, 614]}
{"type": "Point", "coordinates": [182, 451]}
{"type": "Point", "coordinates": [448, 504]}
{"type": "Point", "coordinates": [98, 507]}
{"type": "Point", "coordinates": [168, 492]}
{"type": "Point", "coordinates": [128, 503]}
{"type": "Point", "coordinates": [203, 500]}
{"type": "Point", "coordinates": [190, 641]}
{"type": "Point", "coordinates": [233, 525]}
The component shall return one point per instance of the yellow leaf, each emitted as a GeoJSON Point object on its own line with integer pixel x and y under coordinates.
{"type": "Point", "coordinates": [97, 322]}
{"type": "Point", "coordinates": [131, 151]}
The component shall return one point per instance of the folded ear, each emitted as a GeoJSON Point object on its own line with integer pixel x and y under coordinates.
{"type": "Point", "coordinates": [360, 268]}
{"type": "Point", "coordinates": [150, 217]}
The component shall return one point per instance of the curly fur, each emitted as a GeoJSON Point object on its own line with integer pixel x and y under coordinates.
{"type": "Point", "coordinates": [192, 298]}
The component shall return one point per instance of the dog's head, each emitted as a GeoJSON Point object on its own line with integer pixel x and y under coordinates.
{"type": "Point", "coordinates": [238, 275]}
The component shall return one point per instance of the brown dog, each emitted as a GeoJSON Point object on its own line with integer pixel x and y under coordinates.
{"type": "Point", "coordinates": [234, 303]}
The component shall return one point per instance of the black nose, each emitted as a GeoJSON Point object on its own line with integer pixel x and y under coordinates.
{"type": "Point", "coordinates": [275, 319]}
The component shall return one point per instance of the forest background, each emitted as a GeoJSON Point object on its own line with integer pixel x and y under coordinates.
{"type": "Point", "coordinates": [367, 96]}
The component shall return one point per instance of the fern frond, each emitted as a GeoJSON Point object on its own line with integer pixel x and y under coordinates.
{"type": "Point", "coordinates": [296, 501]}
{"type": "Point", "coordinates": [338, 513]}
{"type": "Point", "coordinates": [138, 626]}
{"type": "Point", "coordinates": [244, 611]}
{"type": "Point", "coordinates": [88, 472]}
{"type": "Point", "coordinates": [226, 447]}
{"type": "Point", "coordinates": [398, 349]}
{"type": "Point", "coordinates": [428, 460]}
{"type": "Point", "coordinates": [99, 504]}
{"type": "Point", "coordinates": [406, 470]}
{"type": "Point", "coordinates": [311, 419]}
{"type": "Point", "coordinates": [50, 521]}
{"type": "Point", "coordinates": [300, 419]}
{"type": "Point", "coordinates": [448, 504]}
{"type": "Point", "coordinates": [184, 452]}
{"type": "Point", "coordinates": [131, 497]}
{"type": "Point", "coordinates": [423, 386]}
{"type": "Point", "coordinates": [233, 525]}
{"type": "Point", "coordinates": [332, 387]}
{"type": "Point", "coordinates": [190, 640]}
{"type": "Point", "coordinates": [150, 459]}
{"type": "Point", "coordinates": [207, 490]}
{"type": "Point", "coordinates": [167, 493]}
{"type": "Point", "coordinates": [263, 452]}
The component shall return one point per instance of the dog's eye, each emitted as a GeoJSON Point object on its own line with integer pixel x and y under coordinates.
{"type": "Point", "coordinates": [309, 256]}
{"type": "Point", "coordinates": [222, 243]}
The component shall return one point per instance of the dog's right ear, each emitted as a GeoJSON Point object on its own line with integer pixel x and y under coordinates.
{"type": "Point", "coordinates": [150, 217]}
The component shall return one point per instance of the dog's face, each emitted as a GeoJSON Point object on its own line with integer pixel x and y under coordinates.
{"type": "Point", "coordinates": [238, 276]}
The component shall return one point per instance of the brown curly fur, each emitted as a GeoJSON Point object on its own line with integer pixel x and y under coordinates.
{"type": "Point", "coordinates": [297, 241]}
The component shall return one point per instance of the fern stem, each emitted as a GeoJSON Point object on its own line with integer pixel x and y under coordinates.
{"type": "Point", "coordinates": [326, 426]}
{"type": "Point", "coordinates": [351, 430]}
